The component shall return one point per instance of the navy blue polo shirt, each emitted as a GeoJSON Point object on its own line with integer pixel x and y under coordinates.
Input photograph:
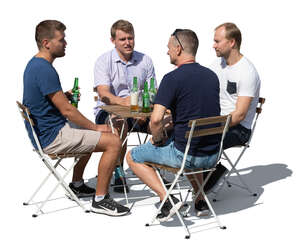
{"type": "Point", "coordinates": [191, 91]}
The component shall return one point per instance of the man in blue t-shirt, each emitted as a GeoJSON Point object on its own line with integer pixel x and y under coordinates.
{"type": "Point", "coordinates": [53, 114]}
{"type": "Point", "coordinates": [191, 91]}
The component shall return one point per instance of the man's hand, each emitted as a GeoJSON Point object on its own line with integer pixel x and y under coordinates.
{"type": "Point", "coordinates": [69, 94]}
{"type": "Point", "coordinates": [125, 101]}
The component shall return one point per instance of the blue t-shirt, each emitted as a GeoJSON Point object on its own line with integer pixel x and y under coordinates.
{"type": "Point", "coordinates": [191, 91]}
{"type": "Point", "coordinates": [41, 79]}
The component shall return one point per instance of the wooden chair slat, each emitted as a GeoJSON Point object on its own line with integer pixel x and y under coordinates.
{"type": "Point", "coordinates": [163, 167]}
{"type": "Point", "coordinates": [261, 100]}
{"type": "Point", "coordinates": [208, 120]}
{"type": "Point", "coordinates": [205, 132]}
{"type": "Point", "coordinates": [258, 110]}
{"type": "Point", "coordinates": [67, 155]}
{"type": "Point", "coordinates": [24, 111]}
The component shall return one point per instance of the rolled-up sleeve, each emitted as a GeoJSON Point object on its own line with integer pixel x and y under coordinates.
{"type": "Point", "coordinates": [101, 71]}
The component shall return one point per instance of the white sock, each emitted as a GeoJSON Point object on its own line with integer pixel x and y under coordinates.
{"type": "Point", "coordinates": [99, 198]}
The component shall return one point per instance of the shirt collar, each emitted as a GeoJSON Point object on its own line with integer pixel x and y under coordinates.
{"type": "Point", "coordinates": [116, 57]}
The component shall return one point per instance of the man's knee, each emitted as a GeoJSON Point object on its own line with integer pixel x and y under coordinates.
{"type": "Point", "coordinates": [129, 158]}
{"type": "Point", "coordinates": [115, 142]}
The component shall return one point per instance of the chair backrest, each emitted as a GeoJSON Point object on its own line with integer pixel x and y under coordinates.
{"type": "Point", "coordinates": [219, 125]}
{"type": "Point", "coordinates": [25, 113]}
{"type": "Point", "coordinates": [96, 97]}
{"type": "Point", "coordinates": [260, 103]}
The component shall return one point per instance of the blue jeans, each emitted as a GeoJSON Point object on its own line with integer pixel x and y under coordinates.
{"type": "Point", "coordinates": [236, 135]}
{"type": "Point", "coordinates": [168, 155]}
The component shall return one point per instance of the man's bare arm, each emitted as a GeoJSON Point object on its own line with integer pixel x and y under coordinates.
{"type": "Point", "coordinates": [108, 98]}
{"type": "Point", "coordinates": [72, 114]}
{"type": "Point", "coordinates": [156, 123]}
{"type": "Point", "coordinates": [241, 109]}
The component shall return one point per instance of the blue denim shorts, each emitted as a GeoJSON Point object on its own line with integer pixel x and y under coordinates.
{"type": "Point", "coordinates": [170, 156]}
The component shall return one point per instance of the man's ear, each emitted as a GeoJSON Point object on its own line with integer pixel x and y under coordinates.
{"type": "Point", "coordinates": [113, 40]}
{"type": "Point", "coordinates": [232, 43]}
{"type": "Point", "coordinates": [178, 50]}
{"type": "Point", "coordinates": [45, 43]}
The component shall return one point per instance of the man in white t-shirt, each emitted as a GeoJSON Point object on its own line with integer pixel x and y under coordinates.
{"type": "Point", "coordinates": [239, 90]}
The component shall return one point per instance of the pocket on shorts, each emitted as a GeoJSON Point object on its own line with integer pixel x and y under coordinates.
{"type": "Point", "coordinates": [231, 87]}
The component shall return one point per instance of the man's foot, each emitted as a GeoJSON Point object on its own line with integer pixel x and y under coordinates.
{"type": "Point", "coordinates": [201, 208]}
{"type": "Point", "coordinates": [119, 185]}
{"type": "Point", "coordinates": [215, 178]}
{"type": "Point", "coordinates": [82, 191]}
{"type": "Point", "coordinates": [109, 207]}
{"type": "Point", "coordinates": [167, 210]}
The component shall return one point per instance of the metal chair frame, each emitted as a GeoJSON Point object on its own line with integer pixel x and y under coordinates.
{"type": "Point", "coordinates": [223, 123]}
{"type": "Point", "coordinates": [52, 167]}
{"type": "Point", "coordinates": [233, 164]}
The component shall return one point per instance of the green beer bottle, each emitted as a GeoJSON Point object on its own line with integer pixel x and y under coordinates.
{"type": "Point", "coordinates": [134, 96]}
{"type": "Point", "coordinates": [146, 99]}
{"type": "Point", "coordinates": [152, 91]}
{"type": "Point", "coordinates": [75, 94]}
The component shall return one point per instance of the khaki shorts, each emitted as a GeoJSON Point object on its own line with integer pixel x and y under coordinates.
{"type": "Point", "coordinates": [72, 139]}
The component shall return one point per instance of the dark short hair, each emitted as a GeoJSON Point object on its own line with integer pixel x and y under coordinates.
{"type": "Point", "coordinates": [46, 29]}
{"type": "Point", "coordinates": [188, 40]}
{"type": "Point", "coordinates": [122, 25]}
{"type": "Point", "coordinates": [232, 32]}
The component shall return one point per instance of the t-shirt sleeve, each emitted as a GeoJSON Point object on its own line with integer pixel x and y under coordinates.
{"type": "Point", "coordinates": [166, 93]}
{"type": "Point", "coordinates": [48, 81]}
{"type": "Point", "coordinates": [248, 84]}
{"type": "Point", "coordinates": [101, 74]}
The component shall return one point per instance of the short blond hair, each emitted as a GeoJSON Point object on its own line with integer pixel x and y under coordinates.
{"type": "Point", "coordinates": [122, 25]}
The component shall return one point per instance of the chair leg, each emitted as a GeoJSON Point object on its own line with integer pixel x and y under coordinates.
{"type": "Point", "coordinates": [61, 182]}
{"type": "Point", "coordinates": [234, 170]}
{"type": "Point", "coordinates": [168, 192]}
{"type": "Point", "coordinates": [208, 203]}
{"type": "Point", "coordinates": [40, 186]}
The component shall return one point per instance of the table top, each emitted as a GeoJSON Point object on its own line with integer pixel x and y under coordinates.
{"type": "Point", "coordinates": [124, 111]}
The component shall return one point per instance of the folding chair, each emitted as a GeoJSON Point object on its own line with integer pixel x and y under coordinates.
{"type": "Point", "coordinates": [233, 165]}
{"type": "Point", "coordinates": [217, 125]}
{"type": "Point", "coordinates": [52, 167]}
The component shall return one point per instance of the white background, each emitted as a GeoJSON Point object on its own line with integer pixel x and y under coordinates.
{"type": "Point", "coordinates": [270, 32]}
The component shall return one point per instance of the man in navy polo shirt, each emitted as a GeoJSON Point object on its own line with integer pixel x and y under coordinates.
{"type": "Point", "coordinates": [191, 91]}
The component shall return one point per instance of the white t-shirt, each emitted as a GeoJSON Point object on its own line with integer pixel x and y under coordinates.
{"type": "Point", "coordinates": [240, 79]}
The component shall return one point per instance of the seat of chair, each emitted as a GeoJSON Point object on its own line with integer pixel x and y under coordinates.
{"type": "Point", "coordinates": [67, 155]}
{"type": "Point", "coordinates": [167, 168]}
{"type": "Point", "coordinates": [163, 167]}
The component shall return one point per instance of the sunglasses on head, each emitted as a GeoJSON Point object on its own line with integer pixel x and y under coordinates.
{"type": "Point", "coordinates": [175, 35]}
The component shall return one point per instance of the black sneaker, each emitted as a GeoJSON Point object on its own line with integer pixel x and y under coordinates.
{"type": "Point", "coordinates": [82, 191]}
{"type": "Point", "coordinates": [201, 208]}
{"type": "Point", "coordinates": [119, 187]}
{"type": "Point", "coordinates": [167, 210]}
{"type": "Point", "coordinates": [215, 178]}
{"type": "Point", "coordinates": [109, 207]}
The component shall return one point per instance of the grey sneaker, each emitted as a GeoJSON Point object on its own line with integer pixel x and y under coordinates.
{"type": "Point", "coordinates": [167, 210]}
{"type": "Point", "coordinates": [109, 207]}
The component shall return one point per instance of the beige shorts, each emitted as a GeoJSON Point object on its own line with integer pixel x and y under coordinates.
{"type": "Point", "coordinates": [73, 139]}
